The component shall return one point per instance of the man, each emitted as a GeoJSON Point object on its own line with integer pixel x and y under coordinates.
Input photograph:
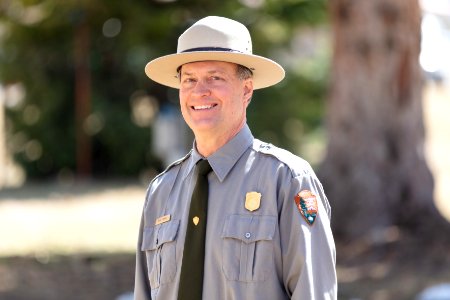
{"type": "Point", "coordinates": [267, 227]}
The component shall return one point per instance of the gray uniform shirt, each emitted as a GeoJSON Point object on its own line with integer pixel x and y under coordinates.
{"type": "Point", "coordinates": [269, 253]}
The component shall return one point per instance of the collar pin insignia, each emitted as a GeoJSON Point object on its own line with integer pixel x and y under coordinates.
{"type": "Point", "coordinates": [195, 220]}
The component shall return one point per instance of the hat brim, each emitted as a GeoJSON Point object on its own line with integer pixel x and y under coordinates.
{"type": "Point", "coordinates": [163, 70]}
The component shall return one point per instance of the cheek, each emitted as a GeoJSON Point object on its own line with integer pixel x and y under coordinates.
{"type": "Point", "coordinates": [183, 98]}
{"type": "Point", "coordinates": [242, 102]}
{"type": "Point", "coordinates": [183, 108]}
{"type": "Point", "coordinates": [239, 108]}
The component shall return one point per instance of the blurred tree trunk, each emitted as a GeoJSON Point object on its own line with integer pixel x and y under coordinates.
{"type": "Point", "coordinates": [3, 171]}
{"type": "Point", "coordinates": [82, 97]}
{"type": "Point", "coordinates": [375, 171]}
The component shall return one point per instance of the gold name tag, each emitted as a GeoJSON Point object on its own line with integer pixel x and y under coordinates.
{"type": "Point", "coordinates": [162, 219]}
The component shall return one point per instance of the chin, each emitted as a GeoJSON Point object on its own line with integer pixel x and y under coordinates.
{"type": "Point", "coordinates": [203, 126]}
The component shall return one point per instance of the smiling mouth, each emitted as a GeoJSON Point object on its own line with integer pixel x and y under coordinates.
{"type": "Point", "coordinates": [203, 107]}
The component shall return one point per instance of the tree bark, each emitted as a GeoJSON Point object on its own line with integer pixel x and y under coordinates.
{"type": "Point", "coordinates": [3, 168]}
{"type": "Point", "coordinates": [375, 172]}
{"type": "Point", "coordinates": [82, 98]}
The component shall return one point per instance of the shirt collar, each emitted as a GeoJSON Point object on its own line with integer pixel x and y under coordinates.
{"type": "Point", "coordinates": [223, 160]}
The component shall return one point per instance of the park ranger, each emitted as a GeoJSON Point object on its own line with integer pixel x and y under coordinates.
{"type": "Point", "coordinates": [236, 218]}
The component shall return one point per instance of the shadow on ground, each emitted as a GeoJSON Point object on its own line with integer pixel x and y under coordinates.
{"type": "Point", "coordinates": [76, 277]}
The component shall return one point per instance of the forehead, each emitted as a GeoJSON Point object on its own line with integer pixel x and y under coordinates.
{"type": "Point", "coordinates": [209, 67]}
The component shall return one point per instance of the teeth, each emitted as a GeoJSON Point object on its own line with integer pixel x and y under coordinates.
{"type": "Point", "coordinates": [202, 107]}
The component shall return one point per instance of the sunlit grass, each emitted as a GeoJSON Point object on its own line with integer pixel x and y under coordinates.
{"type": "Point", "coordinates": [99, 219]}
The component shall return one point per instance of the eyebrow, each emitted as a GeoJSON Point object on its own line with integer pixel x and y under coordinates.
{"type": "Point", "coordinates": [209, 72]}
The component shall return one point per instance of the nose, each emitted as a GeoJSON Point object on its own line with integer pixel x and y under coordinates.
{"type": "Point", "coordinates": [201, 89]}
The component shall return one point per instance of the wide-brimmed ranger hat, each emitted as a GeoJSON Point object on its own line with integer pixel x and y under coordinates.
{"type": "Point", "coordinates": [215, 39]}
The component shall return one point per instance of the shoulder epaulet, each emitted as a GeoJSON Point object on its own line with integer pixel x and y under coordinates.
{"type": "Point", "coordinates": [296, 164]}
{"type": "Point", "coordinates": [175, 163]}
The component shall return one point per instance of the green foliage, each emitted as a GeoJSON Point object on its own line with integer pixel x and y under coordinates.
{"type": "Point", "coordinates": [37, 52]}
{"type": "Point", "coordinates": [285, 114]}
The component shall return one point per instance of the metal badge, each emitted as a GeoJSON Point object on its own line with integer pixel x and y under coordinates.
{"type": "Point", "coordinates": [252, 201]}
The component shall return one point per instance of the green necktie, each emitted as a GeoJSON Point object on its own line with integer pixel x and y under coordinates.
{"type": "Point", "coordinates": [191, 278]}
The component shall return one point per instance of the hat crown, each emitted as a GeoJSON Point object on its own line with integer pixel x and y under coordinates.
{"type": "Point", "coordinates": [216, 32]}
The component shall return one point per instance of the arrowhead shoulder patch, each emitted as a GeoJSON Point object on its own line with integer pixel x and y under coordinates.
{"type": "Point", "coordinates": [306, 203]}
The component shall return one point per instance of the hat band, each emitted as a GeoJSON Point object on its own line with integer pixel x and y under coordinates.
{"type": "Point", "coordinates": [211, 49]}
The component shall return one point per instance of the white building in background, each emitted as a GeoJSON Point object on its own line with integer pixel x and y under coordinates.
{"type": "Point", "coordinates": [435, 44]}
{"type": "Point", "coordinates": [171, 136]}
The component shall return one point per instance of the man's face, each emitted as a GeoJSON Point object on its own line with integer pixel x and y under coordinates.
{"type": "Point", "coordinates": [213, 99]}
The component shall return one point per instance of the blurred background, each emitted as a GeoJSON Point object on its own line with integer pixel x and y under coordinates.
{"type": "Point", "coordinates": [83, 131]}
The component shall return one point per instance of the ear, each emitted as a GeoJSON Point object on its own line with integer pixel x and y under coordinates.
{"type": "Point", "coordinates": [248, 90]}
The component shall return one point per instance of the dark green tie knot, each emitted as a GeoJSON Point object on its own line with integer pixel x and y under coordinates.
{"type": "Point", "coordinates": [203, 167]}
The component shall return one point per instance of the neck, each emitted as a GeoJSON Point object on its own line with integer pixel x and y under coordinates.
{"type": "Point", "coordinates": [207, 144]}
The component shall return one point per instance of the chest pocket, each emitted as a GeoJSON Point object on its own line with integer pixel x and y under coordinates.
{"type": "Point", "coordinates": [248, 247]}
{"type": "Point", "coordinates": [159, 244]}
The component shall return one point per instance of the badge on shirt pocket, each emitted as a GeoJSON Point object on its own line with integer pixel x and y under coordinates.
{"type": "Point", "coordinates": [252, 201]}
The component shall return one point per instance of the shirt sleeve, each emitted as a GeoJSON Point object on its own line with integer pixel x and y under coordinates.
{"type": "Point", "coordinates": [141, 280]}
{"type": "Point", "coordinates": [308, 250]}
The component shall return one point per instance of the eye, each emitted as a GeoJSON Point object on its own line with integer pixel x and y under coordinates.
{"type": "Point", "coordinates": [188, 80]}
{"type": "Point", "coordinates": [216, 78]}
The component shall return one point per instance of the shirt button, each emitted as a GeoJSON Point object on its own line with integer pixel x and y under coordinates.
{"type": "Point", "coordinates": [248, 235]}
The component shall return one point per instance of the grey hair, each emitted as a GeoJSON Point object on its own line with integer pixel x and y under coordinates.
{"type": "Point", "coordinates": [243, 72]}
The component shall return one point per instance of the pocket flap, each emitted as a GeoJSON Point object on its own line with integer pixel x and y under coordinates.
{"type": "Point", "coordinates": [155, 236]}
{"type": "Point", "coordinates": [249, 228]}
